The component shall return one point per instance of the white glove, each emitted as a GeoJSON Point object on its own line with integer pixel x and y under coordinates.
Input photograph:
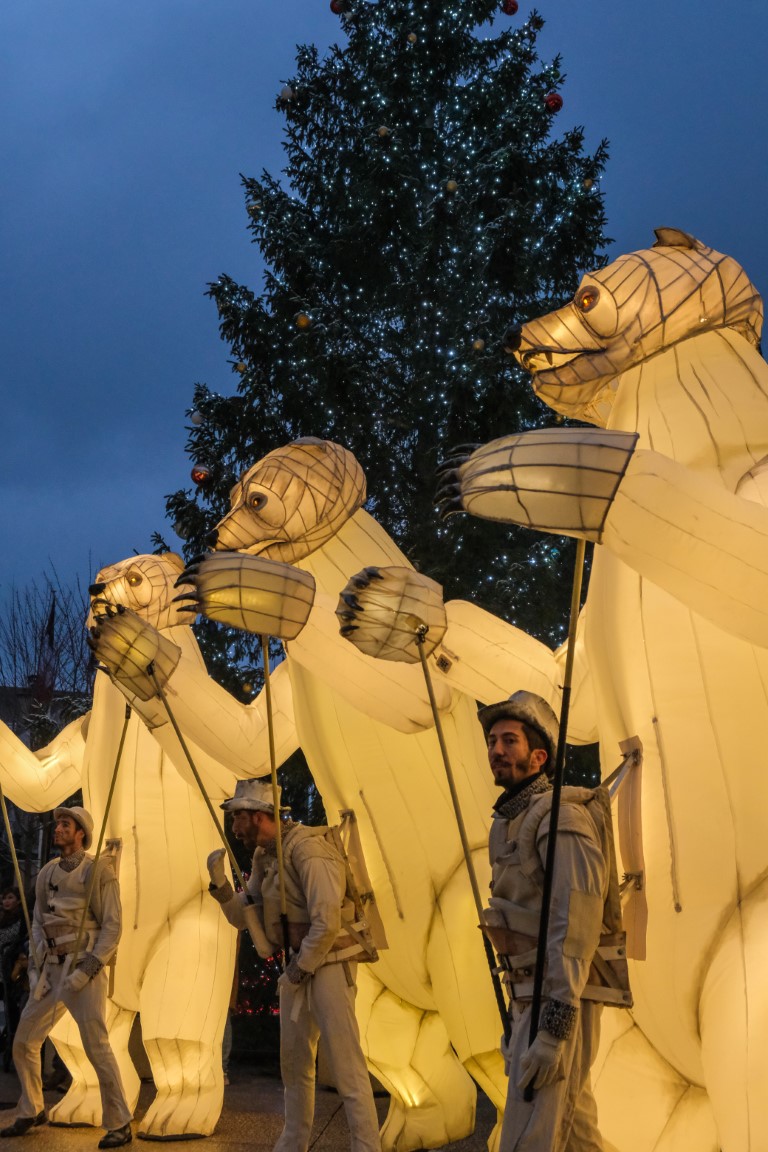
{"type": "Point", "coordinates": [216, 869]}
{"type": "Point", "coordinates": [76, 980]}
{"type": "Point", "coordinates": [295, 974]}
{"type": "Point", "coordinates": [543, 1062]}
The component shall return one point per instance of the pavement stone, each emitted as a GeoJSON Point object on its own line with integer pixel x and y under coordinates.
{"type": "Point", "coordinates": [250, 1122]}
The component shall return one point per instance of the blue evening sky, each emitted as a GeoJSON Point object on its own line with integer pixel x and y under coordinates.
{"type": "Point", "coordinates": [123, 132]}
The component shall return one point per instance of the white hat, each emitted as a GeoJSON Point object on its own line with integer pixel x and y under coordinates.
{"type": "Point", "coordinates": [83, 820]}
{"type": "Point", "coordinates": [253, 795]}
{"type": "Point", "coordinates": [528, 708]}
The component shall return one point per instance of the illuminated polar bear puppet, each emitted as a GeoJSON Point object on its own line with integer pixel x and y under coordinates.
{"type": "Point", "coordinates": [662, 344]}
{"type": "Point", "coordinates": [176, 955]}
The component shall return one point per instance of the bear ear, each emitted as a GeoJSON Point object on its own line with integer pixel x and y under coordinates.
{"type": "Point", "coordinates": [674, 238]}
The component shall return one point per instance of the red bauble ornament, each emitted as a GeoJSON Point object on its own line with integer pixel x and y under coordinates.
{"type": "Point", "coordinates": [200, 474]}
{"type": "Point", "coordinates": [553, 101]}
{"type": "Point", "coordinates": [510, 7]}
{"type": "Point", "coordinates": [337, 7]}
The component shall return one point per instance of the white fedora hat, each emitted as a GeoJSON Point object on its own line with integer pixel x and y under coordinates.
{"type": "Point", "coordinates": [254, 796]}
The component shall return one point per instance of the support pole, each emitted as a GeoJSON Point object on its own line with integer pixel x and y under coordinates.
{"type": "Point", "coordinates": [253, 924]}
{"type": "Point", "coordinates": [19, 878]}
{"type": "Point", "coordinates": [275, 801]}
{"type": "Point", "coordinates": [196, 774]}
{"type": "Point", "coordinates": [492, 963]}
{"type": "Point", "coordinates": [92, 876]}
{"type": "Point", "coordinates": [557, 788]}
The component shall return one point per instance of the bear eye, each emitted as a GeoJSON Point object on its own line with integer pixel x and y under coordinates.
{"type": "Point", "coordinates": [586, 298]}
{"type": "Point", "coordinates": [134, 579]}
{"type": "Point", "coordinates": [257, 500]}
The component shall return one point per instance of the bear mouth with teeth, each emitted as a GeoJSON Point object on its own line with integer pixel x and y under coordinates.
{"type": "Point", "coordinates": [623, 314]}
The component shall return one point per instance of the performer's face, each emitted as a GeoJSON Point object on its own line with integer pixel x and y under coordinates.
{"type": "Point", "coordinates": [67, 835]}
{"type": "Point", "coordinates": [265, 830]}
{"type": "Point", "coordinates": [244, 827]}
{"type": "Point", "coordinates": [509, 755]}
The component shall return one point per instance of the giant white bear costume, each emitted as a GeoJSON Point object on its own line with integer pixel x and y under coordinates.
{"type": "Point", "coordinates": [662, 343]}
{"type": "Point", "coordinates": [176, 955]}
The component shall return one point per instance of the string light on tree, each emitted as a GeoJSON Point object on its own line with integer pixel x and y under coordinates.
{"type": "Point", "coordinates": [414, 221]}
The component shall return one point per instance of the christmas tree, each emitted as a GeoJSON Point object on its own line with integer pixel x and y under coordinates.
{"type": "Point", "coordinates": [426, 206]}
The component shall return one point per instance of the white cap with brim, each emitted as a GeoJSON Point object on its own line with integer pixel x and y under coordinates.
{"type": "Point", "coordinates": [253, 796]}
{"type": "Point", "coordinates": [527, 708]}
{"type": "Point", "coordinates": [83, 820]}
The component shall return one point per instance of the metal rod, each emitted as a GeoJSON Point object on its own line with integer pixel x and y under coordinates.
{"type": "Point", "coordinates": [557, 788]}
{"type": "Point", "coordinates": [275, 801]}
{"type": "Point", "coordinates": [19, 879]}
{"type": "Point", "coordinates": [92, 876]}
{"type": "Point", "coordinates": [196, 774]}
{"type": "Point", "coordinates": [492, 962]}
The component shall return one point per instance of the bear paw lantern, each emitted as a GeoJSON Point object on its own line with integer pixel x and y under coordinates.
{"type": "Point", "coordinates": [388, 612]}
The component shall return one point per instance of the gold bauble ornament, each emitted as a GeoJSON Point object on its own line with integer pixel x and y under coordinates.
{"type": "Point", "coordinates": [479, 344]}
{"type": "Point", "coordinates": [303, 321]}
{"type": "Point", "coordinates": [451, 186]}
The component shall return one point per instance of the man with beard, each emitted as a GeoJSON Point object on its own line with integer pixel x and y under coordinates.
{"type": "Point", "coordinates": [60, 896]}
{"type": "Point", "coordinates": [317, 988]}
{"type": "Point", "coordinates": [521, 735]}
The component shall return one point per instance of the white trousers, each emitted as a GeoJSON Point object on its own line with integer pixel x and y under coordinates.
{"type": "Point", "coordinates": [324, 1006]}
{"type": "Point", "coordinates": [88, 1008]}
{"type": "Point", "coordinates": [562, 1117]}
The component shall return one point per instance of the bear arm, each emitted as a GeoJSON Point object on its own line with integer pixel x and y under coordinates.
{"type": "Point", "coordinates": [229, 738]}
{"type": "Point", "coordinates": [39, 781]}
{"type": "Point", "coordinates": [482, 655]}
{"type": "Point", "coordinates": [701, 543]}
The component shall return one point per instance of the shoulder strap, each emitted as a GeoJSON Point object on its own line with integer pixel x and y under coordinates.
{"type": "Point", "coordinates": [596, 803]}
{"type": "Point", "coordinates": [600, 811]}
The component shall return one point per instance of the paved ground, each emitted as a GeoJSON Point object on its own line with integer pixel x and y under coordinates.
{"type": "Point", "coordinates": [251, 1120]}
